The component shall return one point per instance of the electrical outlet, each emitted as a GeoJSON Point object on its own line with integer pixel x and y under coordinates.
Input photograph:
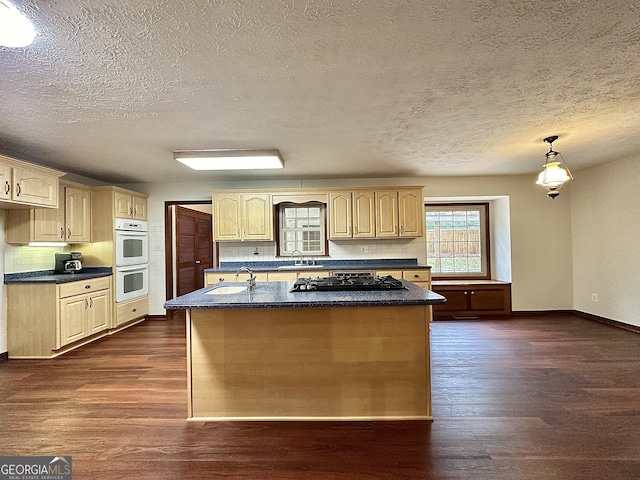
{"type": "Point", "coordinates": [364, 249]}
{"type": "Point", "coordinates": [594, 297]}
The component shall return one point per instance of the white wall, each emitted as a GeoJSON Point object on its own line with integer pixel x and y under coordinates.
{"type": "Point", "coordinates": [605, 216]}
{"type": "Point", "coordinates": [540, 243]}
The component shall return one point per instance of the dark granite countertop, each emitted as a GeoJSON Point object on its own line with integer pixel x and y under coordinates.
{"type": "Point", "coordinates": [374, 264]}
{"type": "Point", "coordinates": [48, 276]}
{"type": "Point", "coordinates": [277, 295]}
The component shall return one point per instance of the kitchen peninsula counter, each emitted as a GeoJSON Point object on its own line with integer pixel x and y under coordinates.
{"type": "Point", "coordinates": [49, 276]}
{"type": "Point", "coordinates": [271, 354]}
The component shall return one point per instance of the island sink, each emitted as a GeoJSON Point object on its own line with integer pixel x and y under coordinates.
{"type": "Point", "coordinates": [225, 290]}
{"type": "Point", "coordinates": [300, 267]}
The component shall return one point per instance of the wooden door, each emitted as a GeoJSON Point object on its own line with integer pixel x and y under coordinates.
{"type": "Point", "coordinates": [5, 182]}
{"type": "Point", "coordinates": [73, 314]}
{"type": "Point", "coordinates": [122, 204]}
{"type": "Point", "coordinates": [77, 210]}
{"type": "Point", "coordinates": [411, 207]}
{"type": "Point", "coordinates": [139, 207]}
{"type": "Point", "coordinates": [99, 311]}
{"type": "Point", "coordinates": [257, 217]}
{"type": "Point", "coordinates": [364, 223]}
{"type": "Point", "coordinates": [227, 216]}
{"type": "Point", "coordinates": [48, 224]}
{"type": "Point", "coordinates": [386, 213]}
{"type": "Point", "coordinates": [340, 215]}
{"type": "Point", "coordinates": [35, 187]}
{"type": "Point", "coordinates": [194, 249]}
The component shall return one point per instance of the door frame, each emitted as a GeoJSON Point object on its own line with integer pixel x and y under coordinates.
{"type": "Point", "coordinates": [169, 241]}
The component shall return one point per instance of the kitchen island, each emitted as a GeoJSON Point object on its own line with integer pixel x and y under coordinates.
{"type": "Point", "coordinates": [272, 354]}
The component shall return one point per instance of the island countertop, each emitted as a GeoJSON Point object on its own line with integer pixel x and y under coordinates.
{"type": "Point", "coordinates": [277, 295]}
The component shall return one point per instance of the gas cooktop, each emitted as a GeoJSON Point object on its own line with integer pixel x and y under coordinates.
{"type": "Point", "coordinates": [346, 283]}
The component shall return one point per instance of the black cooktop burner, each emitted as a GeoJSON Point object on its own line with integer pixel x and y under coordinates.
{"type": "Point", "coordinates": [346, 283]}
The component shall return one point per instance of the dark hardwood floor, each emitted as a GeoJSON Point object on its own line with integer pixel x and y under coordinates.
{"type": "Point", "coordinates": [535, 397]}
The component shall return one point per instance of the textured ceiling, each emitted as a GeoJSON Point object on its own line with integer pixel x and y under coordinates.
{"type": "Point", "coordinates": [344, 88]}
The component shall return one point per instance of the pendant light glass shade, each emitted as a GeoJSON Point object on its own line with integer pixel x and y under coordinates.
{"type": "Point", "coordinates": [555, 172]}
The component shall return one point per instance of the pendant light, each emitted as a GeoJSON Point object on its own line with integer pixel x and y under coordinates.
{"type": "Point", "coordinates": [555, 172]}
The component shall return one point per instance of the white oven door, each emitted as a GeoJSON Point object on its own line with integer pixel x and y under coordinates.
{"type": "Point", "coordinates": [132, 248]}
{"type": "Point", "coordinates": [131, 282]}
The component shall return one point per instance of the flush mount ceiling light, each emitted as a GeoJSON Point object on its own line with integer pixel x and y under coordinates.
{"type": "Point", "coordinates": [15, 29]}
{"type": "Point", "coordinates": [227, 159]}
{"type": "Point", "coordinates": [555, 172]}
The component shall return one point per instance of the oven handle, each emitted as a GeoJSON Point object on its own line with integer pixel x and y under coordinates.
{"type": "Point", "coordinates": [132, 268]}
{"type": "Point", "coordinates": [129, 233]}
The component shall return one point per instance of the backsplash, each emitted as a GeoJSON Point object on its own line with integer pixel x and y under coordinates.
{"type": "Point", "coordinates": [346, 250]}
{"type": "Point", "coordinates": [28, 259]}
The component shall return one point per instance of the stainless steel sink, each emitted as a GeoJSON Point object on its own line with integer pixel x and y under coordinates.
{"type": "Point", "coordinates": [226, 290]}
{"type": "Point", "coordinates": [300, 267]}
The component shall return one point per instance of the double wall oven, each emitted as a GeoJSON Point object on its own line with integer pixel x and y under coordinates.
{"type": "Point", "coordinates": [132, 257]}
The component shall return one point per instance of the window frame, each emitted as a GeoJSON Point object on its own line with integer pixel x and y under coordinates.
{"type": "Point", "coordinates": [280, 252]}
{"type": "Point", "coordinates": [485, 235]}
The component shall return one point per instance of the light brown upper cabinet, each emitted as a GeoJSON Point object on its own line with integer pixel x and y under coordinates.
{"type": "Point", "coordinates": [70, 222]}
{"type": "Point", "coordinates": [351, 215]}
{"type": "Point", "coordinates": [27, 184]}
{"type": "Point", "coordinates": [242, 216]}
{"type": "Point", "coordinates": [399, 213]}
{"type": "Point", "coordinates": [130, 205]}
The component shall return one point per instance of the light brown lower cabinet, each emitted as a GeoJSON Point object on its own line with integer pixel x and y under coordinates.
{"type": "Point", "coordinates": [47, 319]}
{"type": "Point", "coordinates": [131, 310]}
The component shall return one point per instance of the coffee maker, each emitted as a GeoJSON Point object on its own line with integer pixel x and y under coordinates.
{"type": "Point", "coordinates": [68, 262]}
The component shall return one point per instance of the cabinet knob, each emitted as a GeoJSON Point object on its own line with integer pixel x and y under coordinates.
{"type": "Point", "coordinates": [415, 275]}
{"type": "Point", "coordinates": [61, 232]}
{"type": "Point", "coordinates": [221, 279]}
{"type": "Point", "coordinates": [198, 261]}
{"type": "Point", "coordinates": [7, 187]}
{"type": "Point", "coordinates": [18, 189]}
{"type": "Point", "coordinates": [68, 232]}
{"type": "Point", "coordinates": [473, 293]}
{"type": "Point", "coordinates": [133, 309]}
{"type": "Point", "coordinates": [87, 286]}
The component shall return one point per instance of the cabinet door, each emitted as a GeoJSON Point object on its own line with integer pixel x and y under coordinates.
{"type": "Point", "coordinates": [77, 215]}
{"type": "Point", "coordinates": [73, 319]}
{"type": "Point", "coordinates": [139, 207]}
{"type": "Point", "coordinates": [487, 299]}
{"type": "Point", "coordinates": [364, 223]}
{"type": "Point", "coordinates": [35, 188]}
{"type": "Point", "coordinates": [411, 213]}
{"type": "Point", "coordinates": [48, 224]}
{"type": "Point", "coordinates": [122, 204]}
{"type": "Point", "coordinates": [457, 300]}
{"type": "Point", "coordinates": [340, 215]}
{"type": "Point", "coordinates": [98, 311]}
{"type": "Point", "coordinates": [5, 182]}
{"type": "Point", "coordinates": [226, 217]}
{"type": "Point", "coordinates": [257, 217]}
{"type": "Point", "coordinates": [386, 213]}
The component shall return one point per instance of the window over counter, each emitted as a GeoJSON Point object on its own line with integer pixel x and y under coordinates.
{"type": "Point", "coordinates": [457, 240]}
{"type": "Point", "coordinates": [302, 228]}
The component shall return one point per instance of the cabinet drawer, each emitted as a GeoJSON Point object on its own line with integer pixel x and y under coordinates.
{"type": "Point", "coordinates": [282, 276]}
{"type": "Point", "coordinates": [417, 275]}
{"type": "Point", "coordinates": [131, 310]}
{"type": "Point", "coordinates": [83, 286]}
{"type": "Point", "coordinates": [397, 274]}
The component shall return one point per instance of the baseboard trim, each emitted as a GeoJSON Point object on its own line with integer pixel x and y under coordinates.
{"type": "Point", "coordinates": [156, 317]}
{"type": "Point", "coordinates": [607, 321]}
{"type": "Point", "coordinates": [529, 313]}
{"type": "Point", "coordinates": [4, 356]}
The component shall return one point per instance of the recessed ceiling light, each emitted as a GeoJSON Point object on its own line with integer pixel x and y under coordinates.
{"type": "Point", "coordinates": [229, 159]}
{"type": "Point", "coordinates": [15, 29]}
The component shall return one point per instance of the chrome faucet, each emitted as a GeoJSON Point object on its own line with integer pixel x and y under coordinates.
{"type": "Point", "coordinates": [252, 278]}
{"type": "Point", "coordinates": [300, 260]}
